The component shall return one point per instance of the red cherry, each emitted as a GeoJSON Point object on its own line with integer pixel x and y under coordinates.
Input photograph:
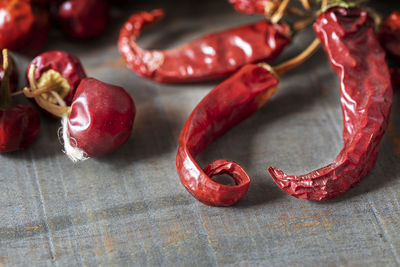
{"type": "Point", "coordinates": [83, 19]}
{"type": "Point", "coordinates": [22, 27]}
{"type": "Point", "coordinates": [101, 117]}
{"type": "Point", "coordinates": [19, 126]}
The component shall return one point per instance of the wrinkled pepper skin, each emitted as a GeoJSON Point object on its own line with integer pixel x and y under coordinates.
{"type": "Point", "coordinates": [65, 64]}
{"type": "Point", "coordinates": [225, 106]}
{"type": "Point", "coordinates": [24, 28]}
{"type": "Point", "coordinates": [250, 6]}
{"type": "Point", "coordinates": [213, 56]}
{"type": "Point", "coordinates": [101, 117]}
{"type": "Point", "coordinates": [389, 34]}
{"type": "Point", "coordinates": [83, 19]}
{"type": "Point", "coordinates": [19, 126]}
{"type": "Point", "coordinates": [366, 97]}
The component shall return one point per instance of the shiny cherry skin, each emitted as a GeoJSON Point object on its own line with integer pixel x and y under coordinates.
{"type": "Point", "coordinates": [19, 126]}
{"type": "Point", "coordinates": [101, 117]}
{"type": "Point", "coordinates": [25, 28]}
{"type": "Point", "coordinates": [83, 19]}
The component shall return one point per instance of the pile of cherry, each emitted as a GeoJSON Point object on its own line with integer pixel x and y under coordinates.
{"type": "Point", "coordinates": [26, 23]}
{"type": "Point", "coordinates": [97, 117]}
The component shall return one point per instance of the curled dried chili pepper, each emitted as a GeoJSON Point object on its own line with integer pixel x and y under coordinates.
{"type": "Point", "coordinates": [226, 105]}
{"type": "Point", "coordinates": [23, 27]}
{"type": "Point", "coordinates": [212, 56]}
{"type": "Point", "coordinates": [366, 96]}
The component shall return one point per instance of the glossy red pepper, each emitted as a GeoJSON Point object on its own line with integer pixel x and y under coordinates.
{"type": "Point", "coordinates": [83, 19]}
{"type": "Point", "coordinates": [60, 70]}
{"type": "Point", "coordinates": [23, 28]}
{"type": "Point", "coordinates": [389, 34]}
{"type": "Point", "coordinates": [366, 96]}
{"type": "Point", "coordinates": [226, 105]}
{"type": "Point", "coordinates": [212, 56]}
{"type": "Point", "coordinates": [101, 117]}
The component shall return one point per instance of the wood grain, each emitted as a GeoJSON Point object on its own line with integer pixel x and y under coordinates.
{"type": "Point", "coordinates": [129, 208]}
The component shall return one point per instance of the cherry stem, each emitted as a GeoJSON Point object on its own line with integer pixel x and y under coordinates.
{"type": "Point", "coordinates": [59, 110]}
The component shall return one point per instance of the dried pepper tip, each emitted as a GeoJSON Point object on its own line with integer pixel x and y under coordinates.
{"type": "Point", "coordinates": [5, 91]}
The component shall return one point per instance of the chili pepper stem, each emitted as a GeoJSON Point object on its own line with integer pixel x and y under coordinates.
{"type": "Point", "coordinates": [5, 100]}
{"type": "Point", "coordinates": [306, 4]}
{"type": "Point", "coordinates": [270, 8]}
{"type": "Point", "coordinates": [60, 110]}
{"type": "Point", "coordinates": [302, 23]}
{"type": "Point", "coordinates": [277, 16]}
{"type": "Point", "coordinates": [297, 60]}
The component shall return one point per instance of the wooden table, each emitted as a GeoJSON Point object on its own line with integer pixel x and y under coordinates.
{"type": "Point", "coordinates": [129, 208]}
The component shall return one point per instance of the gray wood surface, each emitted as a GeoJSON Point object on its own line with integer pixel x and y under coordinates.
{"type": "Point", "coordinates": [129, 208]}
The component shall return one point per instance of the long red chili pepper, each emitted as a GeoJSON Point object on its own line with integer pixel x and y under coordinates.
{"type": "Point", "coordinates": [225, 106]}
{"type": "Point", "coordinates": [366, 96]}
{"type": "Point", "coordinates": [212, 56]}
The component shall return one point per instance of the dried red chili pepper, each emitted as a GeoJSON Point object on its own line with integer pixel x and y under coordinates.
{"type": "Point", "coordinates": [389, 34]}
{"type": "Point", "coordinates": [99, 120]}
{"type": "Point", "coordinates": [225, 106]}
{"type": "Point", "coordinates": [99, 127]}
{"type": "Point", "coordinates": [83, 19]}
{"type": "Point", "coordinates": [366, 97]}
{"type": "Point", "coordinates": [266, 7]}
{"type": "Point", "coordinates": [23, 28]}
{"type": "Point", "coordinates": [250, 6]}
{"type": "Point", "coordinates": [19, 124]}
{"type": "Point", "coordinates": [58, 70]}
{"type": "Point", "coordinates": [212, 56]}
